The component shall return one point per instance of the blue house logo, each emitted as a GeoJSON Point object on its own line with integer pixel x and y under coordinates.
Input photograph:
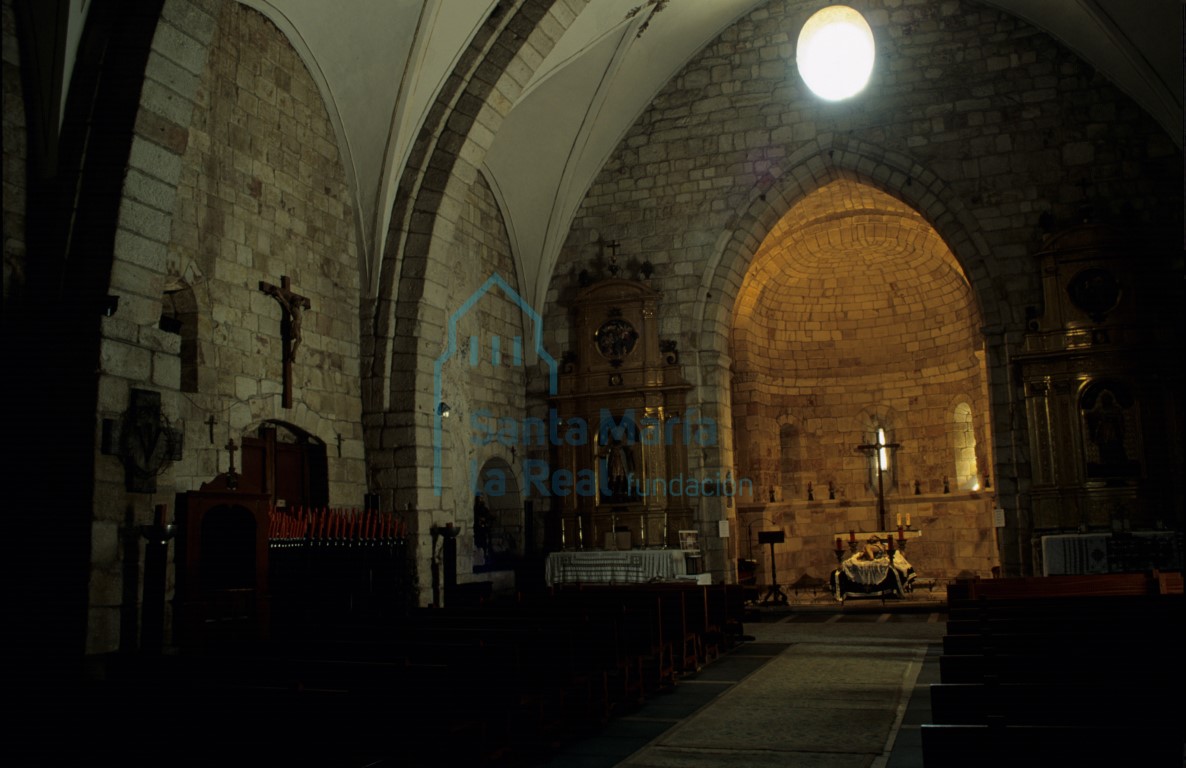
{"type": "Point", "coordinates": [475, 354]}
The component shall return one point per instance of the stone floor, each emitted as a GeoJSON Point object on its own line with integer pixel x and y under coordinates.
{"type": "Point", "coordinates": [813, 685]}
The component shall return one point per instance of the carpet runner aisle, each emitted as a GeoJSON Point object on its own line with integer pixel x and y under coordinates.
{"type": "Point", "coordinates": [815, 704]}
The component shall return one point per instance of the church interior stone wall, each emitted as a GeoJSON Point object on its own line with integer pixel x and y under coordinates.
{"type": "Point", "coordinates": [257, 192]}
{"type": "Point", "coordinates": [484, 381]}
{"type": "Point", "coordinates": [15, 159]}
{"type": "Point", "coordinates": [1007, 132]}
{"type": "Point", "coordinates": [262, 193]}
{"type": "Point", "coordinates": [822, 270]}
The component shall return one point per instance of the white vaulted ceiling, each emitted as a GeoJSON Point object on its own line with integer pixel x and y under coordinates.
{"type": "Point", "coordinates": [380, 63]}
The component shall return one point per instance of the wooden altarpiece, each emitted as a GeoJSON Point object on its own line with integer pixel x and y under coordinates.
{"type": "Point", "coordinates": [625, 386]}
{"type": "Point", "coordinates": [1102, 389]}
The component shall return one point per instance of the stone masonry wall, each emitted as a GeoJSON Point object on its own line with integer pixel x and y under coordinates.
{"type": "Point", "coordinates": [862, 322]}
{"type": "Point", "coordinates": [484, 380]}
{"type": "Point", "coordinates": [954, 540]}
{"type": "Point", "coordinates": [263, 194]}
{"type": "Point", "coordinates": [1012, 123]}
{"type": "Point", "coordinates": [974, 119]}
{"type": "Point", "coordinates": [15, 159]}
{"type": "Point", "coordinates": [234, 178]}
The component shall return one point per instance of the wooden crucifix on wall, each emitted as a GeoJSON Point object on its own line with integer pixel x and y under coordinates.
{"type": "Point", "coordinates": [292, 305]}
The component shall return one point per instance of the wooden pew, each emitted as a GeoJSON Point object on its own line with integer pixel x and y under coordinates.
{"type": "Point", "coordinates": [468, 686]}
{"type": "Point", "coordinates": [1092, 585]}
{"type": "Point", "coordinates": [1109, 704]}
{"type": "Point", "coordinates": [1085, 668]}
{"type": "Point", "coordinates": [643, 652]}
{"type": "Point", "coordinates": [993, 746]}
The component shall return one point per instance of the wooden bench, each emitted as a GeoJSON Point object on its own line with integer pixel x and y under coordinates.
{"type": "Point", "coordinates": [992, 746]}
{"type": "Point", "coordinates": [1083, 702]}
{"type": "Point", "coordinates": [466, 685]}
{"type": "Point", "coordinates": [1085, 670]}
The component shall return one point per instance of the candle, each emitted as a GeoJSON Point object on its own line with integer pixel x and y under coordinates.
{"type": "Point", "coordinates": [899, 519]}
{"type": "Point", "coordinates": [852, 535]}
{"type": "Point", "coordinates": [838, 547]}
{"type": "Point", "coordinates": [907, 519]}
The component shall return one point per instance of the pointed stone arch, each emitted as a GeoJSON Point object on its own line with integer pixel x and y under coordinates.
{"type": "Point", "coordinates": [830, 158]}
{"type": "Point", "coordinates": [411, 308]}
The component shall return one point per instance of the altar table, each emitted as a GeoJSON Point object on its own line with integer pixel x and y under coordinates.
{"type": "Point", "coordinates": [877, 577]}
{"type": "Point", "coordinates": [634, 566]}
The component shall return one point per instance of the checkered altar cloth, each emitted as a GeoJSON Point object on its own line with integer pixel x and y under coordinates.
{"type": "Point", "coordinates": [633, 566]}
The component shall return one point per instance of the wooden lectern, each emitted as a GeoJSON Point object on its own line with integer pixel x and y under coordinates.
{"type": "Point", "coordinates": [774, 593]}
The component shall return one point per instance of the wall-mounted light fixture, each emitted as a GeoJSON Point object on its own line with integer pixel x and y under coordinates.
{"type": "Point", "coordinates": [108, 305]}
{"type": "Point", "coordinates": [443, 410]}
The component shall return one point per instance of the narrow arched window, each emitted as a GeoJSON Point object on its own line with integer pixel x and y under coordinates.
{"type": "Point", "coordinates": [963, 442]}
{"type": "Point", "coordinates": [179, 315]}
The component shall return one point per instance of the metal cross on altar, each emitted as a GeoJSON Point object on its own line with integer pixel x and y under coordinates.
{"type": "Point", "coordinates": [292, 304]}
{"type": "Point", "coordinates": [879, 451]}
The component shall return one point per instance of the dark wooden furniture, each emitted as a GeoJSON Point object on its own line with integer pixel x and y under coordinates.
{"type": "Point", "coordinates": [222, 567]}
{"type": "Point", "coordinates": [1086, 668]}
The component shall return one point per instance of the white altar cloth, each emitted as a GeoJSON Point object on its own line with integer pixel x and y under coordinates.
{"type": "Point", "coordinates": [634, 566]}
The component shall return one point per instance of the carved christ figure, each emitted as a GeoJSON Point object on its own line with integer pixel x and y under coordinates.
{"type": "Point", "coordinates": [293, 306]}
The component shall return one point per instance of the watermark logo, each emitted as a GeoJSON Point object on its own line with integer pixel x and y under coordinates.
{"type": "Point", "coordinates": [475, 354]}
{"type": "Point", "coordinates": [621, 442]}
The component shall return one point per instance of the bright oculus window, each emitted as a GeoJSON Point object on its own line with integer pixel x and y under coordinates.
{"type": "Point", "coordinates": [835, 52]}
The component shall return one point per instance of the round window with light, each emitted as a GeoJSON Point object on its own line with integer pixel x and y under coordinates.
{"type": "Point", "coordinates": [835, 53]}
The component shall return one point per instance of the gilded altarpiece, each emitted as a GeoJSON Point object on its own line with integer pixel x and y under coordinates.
{"type": "Point", "coordinates": [1102, 396]}
{"type": "Point", "coordinates": [622, 384]}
